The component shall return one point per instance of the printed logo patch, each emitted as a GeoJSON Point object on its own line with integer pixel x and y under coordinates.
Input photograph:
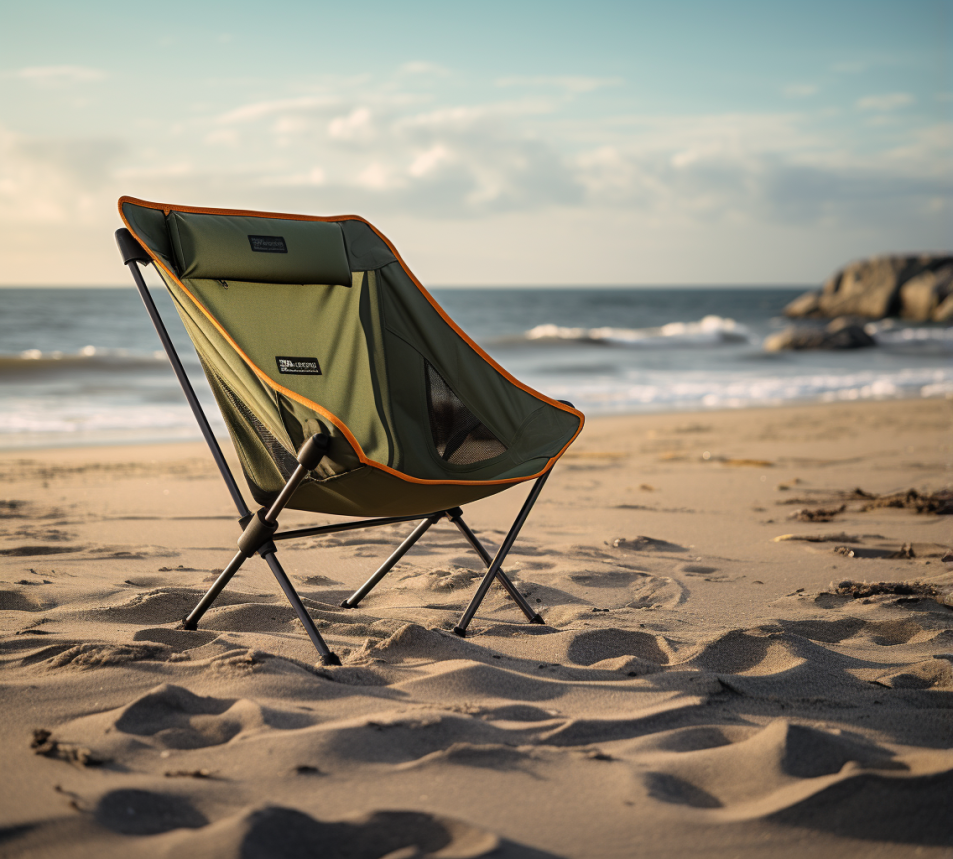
{"type": "Point", "coordinates": [298, 366]}
{"type": "Point", "coordinates": [268, 244]}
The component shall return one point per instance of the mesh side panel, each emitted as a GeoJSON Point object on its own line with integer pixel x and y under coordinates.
{"type": "Point", "coordinates": [458, 435]}
{"type": "Point", "coordinates": [285, 462]}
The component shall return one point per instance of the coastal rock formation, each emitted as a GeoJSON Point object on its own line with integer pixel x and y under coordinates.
{"type": "Point", "coordinates": [843, 333]}
{"type": "Point", "coordinates": [916, 287]}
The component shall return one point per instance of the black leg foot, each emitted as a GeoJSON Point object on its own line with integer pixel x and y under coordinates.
{"type": "Point", "coordinates": [459, 631]}
{"type": "Point", "coordinates": [330, 659]}
{"type": "Point", "coordinates": [186, 624]}
{"type": "Point", "coordinates": [346, 604]}
{"type": "Point", "coordinates": [536, 619]}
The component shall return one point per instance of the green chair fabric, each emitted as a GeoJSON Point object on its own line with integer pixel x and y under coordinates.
{"type": "Point", "coordinates": [308, 325]}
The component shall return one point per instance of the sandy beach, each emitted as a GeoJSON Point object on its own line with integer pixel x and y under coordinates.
{"type": "Point", "coordinates": [713, 677]}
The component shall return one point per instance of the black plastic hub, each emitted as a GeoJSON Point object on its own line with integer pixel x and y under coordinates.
{"type": "Point", "coordinates": [257, 536]}
{"type": "Point", "coordinates": [313, 451]}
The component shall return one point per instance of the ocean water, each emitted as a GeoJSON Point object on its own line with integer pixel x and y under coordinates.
{"type": "Point", "coordinates": [84, 366]}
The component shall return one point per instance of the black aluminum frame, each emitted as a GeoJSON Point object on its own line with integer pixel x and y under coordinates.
{"type": "Point", "coordinates": [259, 530]}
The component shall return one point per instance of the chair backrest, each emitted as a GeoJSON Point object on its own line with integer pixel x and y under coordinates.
{"type": "Point", "coordinates": [307, 325]}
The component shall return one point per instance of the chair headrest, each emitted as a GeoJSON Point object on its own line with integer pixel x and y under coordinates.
{"type": "Point", "coordinates": [258, 249]}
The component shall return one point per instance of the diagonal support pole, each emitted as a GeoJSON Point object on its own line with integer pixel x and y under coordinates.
{"type": "Point", "coordinates": [418, 532]}
{"type": "Point", "coordinates": [494, 569]}
{"type": "Point", "coordinates": [456, 516]}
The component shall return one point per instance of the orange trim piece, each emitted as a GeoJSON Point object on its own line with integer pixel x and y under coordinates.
{"type": "Point", "coordinates": [314, 406]}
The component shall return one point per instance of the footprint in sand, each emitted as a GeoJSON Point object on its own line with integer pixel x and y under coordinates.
{"type": "Point", "coordinates": [130, 811]}
{"type": "Point", "coordinates": [32, 551]}
{"type": "Point", "coordinates": [170, 717]}
{"type": "Point", "coordinates": [18, 601]}
{"type": "Point", "coordinates": [87, 656]}
{"type": "Point", "coordinates": [766, 769]}
{"type": "Point", "coordinates": [411, 834]}
{"type": "Point", "coordinates": [588, 648]}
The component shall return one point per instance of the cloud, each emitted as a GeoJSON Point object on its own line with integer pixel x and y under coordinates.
{"type": "Point", "coordinates": [885, 102]}
{"type": "Point", "coordinates": [262, 109]}
{"type": "Point", "coordinates": [423, 68]}
{"type": "Point", "coordinates": [800, 90]}
{"type": "Point", "coordinates": [571, 84]}
{"type": "Point", "coordinates": [405, 154]}
{"type": "Point", "coordinates": [356, 126]}
{"type": "Point", "coordinates": [53, 76]}
{"type": "Point", "coordinates": [54, 180]}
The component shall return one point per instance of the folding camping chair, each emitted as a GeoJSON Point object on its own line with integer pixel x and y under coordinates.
{"type": "Point", "coordinates": [345, 387]}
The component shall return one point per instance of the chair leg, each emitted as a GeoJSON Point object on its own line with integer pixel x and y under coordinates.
{"type": "Point", "coordinates": [461, 628]}
{"type": "Point", "coordinates": [388, 565]}
{"type": "Point", "coordinates": [327, 657]}
{"type": "Point", "coordinates": [191, 620]}
{"type": "Point", "coordinates": [456, 516]}
{"type": "Point", "coordinates": [257, 538]}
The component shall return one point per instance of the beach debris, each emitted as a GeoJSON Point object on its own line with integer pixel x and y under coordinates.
{"type": "Point", "coordinates": [818, 514]}
{"type": "Point", "coordinates": [736, 462]}
{"type": "Point", "coordinates": [939, 503]}
{"type": "Point", "coordinates": [12, 509]}
{"type": "Point", "coordinates": [826, 496]}
{"type": "Point", "coordinates": [189, 774]}
{"type": "Point", "coordinates": [306, 769]}
{"type": "Point", "coordinates": [643, 544]}
{"type": "Point", "coordinates": [31, 551]}
{"type": "Point", "coordinates": [790, 484]}
{"type": "Point", "coordinates": [862, 590]}
{"type": "Point", "coordinates": [44, 744]}
{"type": "Point", "coordinates": [819, 538]}
{"type": "Point", "coordinates": [947, 558]}
{"type": "Point", "coordinates": [694, 427]}
{"type": "Point", "coordinates": [904, 552]}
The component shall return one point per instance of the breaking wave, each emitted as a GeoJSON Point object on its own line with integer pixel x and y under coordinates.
{"type": "Point", "coordinates": [710, 331]}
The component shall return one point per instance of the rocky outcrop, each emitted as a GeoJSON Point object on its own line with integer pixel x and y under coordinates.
{"type": "Point", "coordinates": [918, 288]}
{"type": "Point", "coordinates": [842, 333]}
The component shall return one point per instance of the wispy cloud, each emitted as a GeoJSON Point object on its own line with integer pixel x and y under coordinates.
{"type": "Point", "coordinates": [886, 101]}
{"type": "Point", "coordinates": [571, 84]}
{"type": "Point", "coordinates": [262, 109]}
{"type": "Point", "coordinates": [59, 75]}
{"type": "Point", "coordinates": [800, 90]}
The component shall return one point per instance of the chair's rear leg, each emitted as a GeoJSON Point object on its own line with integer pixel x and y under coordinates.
{"type": "Point", "coordinates": [461, 628]}
{"type": "Point", "coordinates": [388, 565]}
{"type": "Point", "coordinates": [327, 657]}
{"type": "Point", "coordinates": [456, 516]}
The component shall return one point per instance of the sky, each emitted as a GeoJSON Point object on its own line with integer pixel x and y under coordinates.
{"type": "Point", "coordinates": [495, 143]}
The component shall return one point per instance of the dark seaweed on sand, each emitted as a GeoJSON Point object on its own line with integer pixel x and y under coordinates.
{"type": "Point", "coordinates": [940, 503]}
{"type": "Point", "coordinates": [860, 590]}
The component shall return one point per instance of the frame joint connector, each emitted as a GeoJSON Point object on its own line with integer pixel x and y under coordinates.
{"type": "Point", "coordinates": [257, 536]}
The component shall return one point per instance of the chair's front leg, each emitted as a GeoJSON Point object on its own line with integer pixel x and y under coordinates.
{"type": "Point", "coordinates": [494, 569]}
{"type": "Point", "coordinates": [257, 538]}
{"type": "Point", "coordinates": [456, 516]}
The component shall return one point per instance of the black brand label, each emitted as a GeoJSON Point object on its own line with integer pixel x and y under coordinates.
{"type": "Point", "coordinates": [268, 244]}
{"type": "Point", "coordinates": [298, 366]}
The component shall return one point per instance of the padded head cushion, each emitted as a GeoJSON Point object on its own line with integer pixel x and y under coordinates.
{"type": "Point", "coordinates": [260, 250]}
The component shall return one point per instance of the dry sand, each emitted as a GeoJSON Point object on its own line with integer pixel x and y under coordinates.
{"type": "Point", "coordinates": [701, 687]}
